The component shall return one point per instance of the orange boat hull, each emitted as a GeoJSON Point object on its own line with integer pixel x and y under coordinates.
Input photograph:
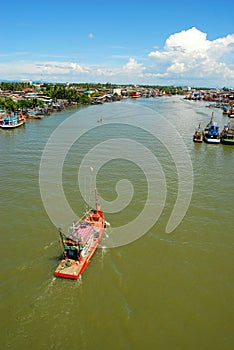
{"type": "Point", "coordinates": [69, 268]}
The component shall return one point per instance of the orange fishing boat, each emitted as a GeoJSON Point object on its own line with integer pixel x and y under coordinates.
{"type": "Point", "coordinates": [198, 135]}
{"type": "Point", "coordinates": [80, 243]}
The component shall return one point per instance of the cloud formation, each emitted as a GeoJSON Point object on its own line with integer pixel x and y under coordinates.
{"type": "Point", "coordinates": [189, 54]}
{"type": "Point", "coordinates": [188, 58]}
{"type": "Point", "coordinates": [133, 67]}
{"type": "Point", "coordinates": [33, 70]}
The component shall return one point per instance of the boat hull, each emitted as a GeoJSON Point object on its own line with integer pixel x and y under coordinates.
{"type": "Point", "coordinates": [9, 126]}
{"type": "Point", "coordinates": [198, 138]}
{"type": "Point", "coordinates": [211, 140]}
{"type": "Point", "coordinates": [227, 141]}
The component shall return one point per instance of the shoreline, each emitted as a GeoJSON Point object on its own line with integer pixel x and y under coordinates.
{"type": "Point", "coordinates": [37, 101]}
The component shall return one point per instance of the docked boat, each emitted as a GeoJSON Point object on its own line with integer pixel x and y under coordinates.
{"type": "Point", "coordinates": [226, 109]}
{"type": "Point", "coordinates": [230, 113]}
{"type": "Point", "coordinates": [227, 134]}
{"type": "Point", "coordinates": [135, 94]}
{"type": "Point", "coordinates": [211, 132]}
{"type": "Point", "coordinates": [31, 114]}
{"type": "Point", "coordinates": [198, 134]}
{"type": "Point", "coordinates": [80, 244]}
{"type": "Point", "coordinates": [12, 121]}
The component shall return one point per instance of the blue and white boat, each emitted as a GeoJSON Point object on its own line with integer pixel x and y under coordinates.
{"type": "Point", "coordinates": [11, 121]}
{"type": "Point", "coordinates": [211, 132]}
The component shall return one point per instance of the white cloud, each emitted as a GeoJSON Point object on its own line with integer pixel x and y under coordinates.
{"type": "Point", "coordinates": [187, 41]}
{"type": "Point", "coordinates": [176, 68]}
{"type": "Point", "coordinates": [22, 69]}
{"type": "Point", "coordinates": [76, 67]}
{"type": "Point", "coordinates": [65, 71]}
{"type": "Point", "coordinates": [133, 67]}
{"type": "Point", "coordinates": [189, 54]}
{"type": "Point", "coordinates": [188, 57]}
{"type": "Point", "coordinates": [129, 70]}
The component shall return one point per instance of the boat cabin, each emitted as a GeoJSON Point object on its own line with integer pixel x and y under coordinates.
{"type": "Point", "coordinates": [71, 249]}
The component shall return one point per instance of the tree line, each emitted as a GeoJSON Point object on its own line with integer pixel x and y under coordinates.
{"type": "Point", "coordinates": [64, 92]}
{"type": "Point", "coordinates": [14, 86]}
{"type": "Point", "coordinates": [10, 105]}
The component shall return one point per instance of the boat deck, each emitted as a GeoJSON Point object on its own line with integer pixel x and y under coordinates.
{"type": "Point", "coordinates": [69, 268]}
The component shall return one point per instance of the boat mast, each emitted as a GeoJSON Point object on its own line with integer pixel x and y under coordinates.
{"type": "Point", "coordinates": [96, 199]}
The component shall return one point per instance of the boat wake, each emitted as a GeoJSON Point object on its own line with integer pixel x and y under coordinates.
{"type": "Point", "coordinates": [47, 289]}
{"type": "Point", "coordinates": [79, 280]}
{"type": "Point", "coordinates": [115, 268]}
{"type": "Point", "coordinates": [125, 305]}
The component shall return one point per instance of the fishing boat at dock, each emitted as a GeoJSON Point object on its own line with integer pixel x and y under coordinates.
{"type": "Point", "coordinates": [230, 113]}
{"type": "Point", "coordinates": [12, 120]}
{"type": "Point", "coordinates": [227, 134]}
{"type": "Point", "coordinates": [80, 244]}
{"type": "Point", "coordinates": [135, 94]}
{"type": "Point", "coordinates": [198, 135]}
{"type": "Point", "coordinates": [211, 132]}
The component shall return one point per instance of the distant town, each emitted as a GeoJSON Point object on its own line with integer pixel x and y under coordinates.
{"type": "Point", "coordinates": [36, 100]}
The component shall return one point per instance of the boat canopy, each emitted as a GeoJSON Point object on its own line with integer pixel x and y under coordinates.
{"type": "Point", "coordinates": [213, 130]}
{"type": "Point", "coordinates": [80, 233]}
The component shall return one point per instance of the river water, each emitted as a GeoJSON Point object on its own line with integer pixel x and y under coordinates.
{"type": "Point", "coordinates": [155, 288]}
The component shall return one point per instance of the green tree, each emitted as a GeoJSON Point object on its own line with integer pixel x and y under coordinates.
{"type": "Point", "coordinates": [10, 105]}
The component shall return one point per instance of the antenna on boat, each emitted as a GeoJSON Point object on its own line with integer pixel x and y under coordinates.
{"type": "Point", "coordinates": [96, 199]}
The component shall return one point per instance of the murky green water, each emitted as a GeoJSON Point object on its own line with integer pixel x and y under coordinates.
{"type": "Point", "coordinates": [162, 291]}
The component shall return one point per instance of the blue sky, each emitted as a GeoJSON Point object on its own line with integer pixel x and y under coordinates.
{"type": "Point", "coordinates": [123, 42]}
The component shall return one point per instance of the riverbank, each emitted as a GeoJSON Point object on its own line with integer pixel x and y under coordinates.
{"type": "Point", "coordinates": [38, 100]}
